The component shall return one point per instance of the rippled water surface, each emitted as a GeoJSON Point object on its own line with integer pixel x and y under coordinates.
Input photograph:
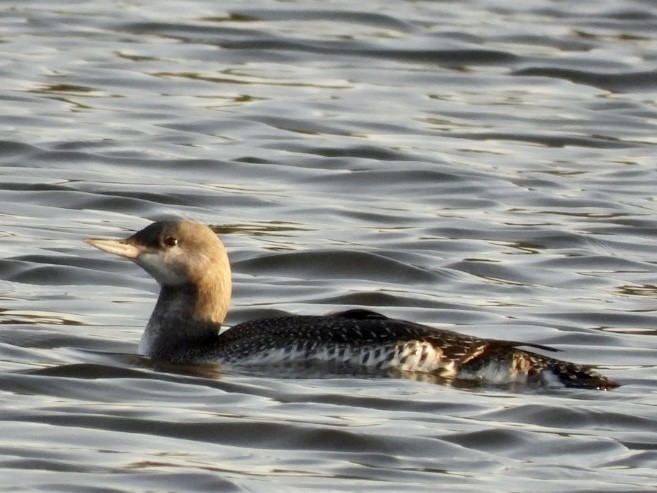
{"type": "Point", "coordinates": [483, 166]}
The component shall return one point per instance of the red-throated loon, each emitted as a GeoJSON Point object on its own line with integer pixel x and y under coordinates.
{"type": "Point", "coordinates": [191, 265]}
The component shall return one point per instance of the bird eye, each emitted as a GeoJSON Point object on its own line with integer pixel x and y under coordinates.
{"type": "Point", "coordinates": [170, 241]}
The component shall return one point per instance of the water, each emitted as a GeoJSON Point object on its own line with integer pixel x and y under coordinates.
{"type": "Point", "coordinates": [482, 166]}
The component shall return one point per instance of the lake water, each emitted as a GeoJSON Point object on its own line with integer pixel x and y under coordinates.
{"type": "Point", "coordinates": [483, 166]}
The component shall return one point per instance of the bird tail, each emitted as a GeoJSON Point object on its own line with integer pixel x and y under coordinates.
{"type": "Point", "coordinates": [578, 376]}
{"type": "Point", "coordinates": [500, 360]}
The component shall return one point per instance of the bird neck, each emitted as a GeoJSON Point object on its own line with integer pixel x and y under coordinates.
{"type": "Point", "coordinates": [186, 319]}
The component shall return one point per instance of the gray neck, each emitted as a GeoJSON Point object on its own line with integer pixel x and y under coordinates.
{"type": "Point", "coordinates": [184, 324]}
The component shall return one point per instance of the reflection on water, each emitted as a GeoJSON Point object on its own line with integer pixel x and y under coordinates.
{"type": "Point", "coordinates": [34, 318]}
{"type": "Point", "coordinates": [273, 228]}
{"type": "Point", "coordinates": [642, 290]}
{"type": "Point", "coordinates": [474, 166]}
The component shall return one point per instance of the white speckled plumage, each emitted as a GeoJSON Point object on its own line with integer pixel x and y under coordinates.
{"type": "Point", "coordinates": [192, 267]}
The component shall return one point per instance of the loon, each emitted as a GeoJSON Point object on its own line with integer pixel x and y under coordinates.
{"type": "Point", "coordinates": [191, 265]}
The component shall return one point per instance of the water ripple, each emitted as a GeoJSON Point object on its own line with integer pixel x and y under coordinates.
{"type": "Point", "coordinates": [475, 166]}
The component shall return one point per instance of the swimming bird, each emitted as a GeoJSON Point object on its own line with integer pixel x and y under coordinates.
{"type": "Point", "coordinates": [191, 265]}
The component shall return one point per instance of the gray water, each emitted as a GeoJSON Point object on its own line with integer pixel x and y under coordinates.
{"type": "Point", "coordinates": [482, 166]}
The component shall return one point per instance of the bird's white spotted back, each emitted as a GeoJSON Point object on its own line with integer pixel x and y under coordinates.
{"type": "Point", "coordinates": [411, 356]}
